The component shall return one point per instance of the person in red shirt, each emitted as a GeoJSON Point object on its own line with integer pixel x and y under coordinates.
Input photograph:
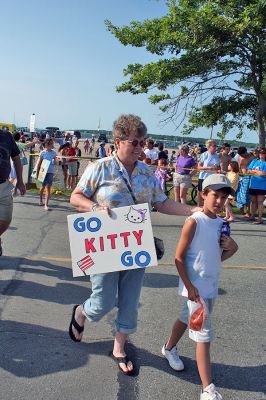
{"type": "Point", "coordinates": [72, 164]}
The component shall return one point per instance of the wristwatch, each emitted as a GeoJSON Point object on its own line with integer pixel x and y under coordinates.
{"type": "Point", "coordinates": [93, 208]}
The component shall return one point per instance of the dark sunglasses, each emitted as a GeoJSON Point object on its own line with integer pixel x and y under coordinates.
{"type": "Point", "coordinates": [136, 142]}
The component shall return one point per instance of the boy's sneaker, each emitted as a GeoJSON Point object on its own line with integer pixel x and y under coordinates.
{"type": "Point", "coordinates": [173, 358]}
{"type": "Point", "coordinates": [210, 393]}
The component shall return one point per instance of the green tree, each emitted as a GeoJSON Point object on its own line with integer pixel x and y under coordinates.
{"type": "Point", "coordinates": [211, 65]}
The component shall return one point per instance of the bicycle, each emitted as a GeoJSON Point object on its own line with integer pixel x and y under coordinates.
{"type": "Point", "coordinates": [193, 193]}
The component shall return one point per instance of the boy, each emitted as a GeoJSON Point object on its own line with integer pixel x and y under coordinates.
{"type": "Point", "coordinates": [50, 155]}
{"type": "Point", "coordinates": [199, 253]}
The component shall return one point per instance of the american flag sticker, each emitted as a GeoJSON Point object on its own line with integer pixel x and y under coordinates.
{"type": "Point", "coordinates": [85, 263]}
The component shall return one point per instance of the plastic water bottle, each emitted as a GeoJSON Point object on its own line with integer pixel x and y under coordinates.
{"type": "Point", "coordinates": [226, 230]}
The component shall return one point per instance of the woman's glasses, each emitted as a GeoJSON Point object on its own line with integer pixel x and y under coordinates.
{"type": "Point", "coordinates": [136, 142]}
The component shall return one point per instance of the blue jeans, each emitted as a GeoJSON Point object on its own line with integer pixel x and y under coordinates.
{"type": "Point", "coordinates": [121, 289]}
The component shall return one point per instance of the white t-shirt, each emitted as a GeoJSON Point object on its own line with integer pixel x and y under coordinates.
{"type": "Point", "coordinates": [203, 257]}
{"type": "Point", "coordinates": [208, 160]}
{"type": "Point", "coordinates": [152, 154]}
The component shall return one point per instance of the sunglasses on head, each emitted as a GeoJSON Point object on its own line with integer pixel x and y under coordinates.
{"type": "Point", "coordinates": [136, 142]}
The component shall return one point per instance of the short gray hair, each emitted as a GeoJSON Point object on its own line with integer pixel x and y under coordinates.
{"type": "Point", "coordinates": [127, 124]}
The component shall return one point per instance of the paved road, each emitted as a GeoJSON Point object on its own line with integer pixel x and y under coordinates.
{"type": "Point", "coordinates": [38, 360]}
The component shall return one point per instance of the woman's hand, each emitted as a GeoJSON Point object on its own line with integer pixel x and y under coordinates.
{"type": "Point", "coordinates": [103, 208]}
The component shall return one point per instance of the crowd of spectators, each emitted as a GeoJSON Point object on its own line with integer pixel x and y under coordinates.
{"type": "Point", "coordinates": [178, 165]}
{"type": "Point", "coordinates": [246, 171]}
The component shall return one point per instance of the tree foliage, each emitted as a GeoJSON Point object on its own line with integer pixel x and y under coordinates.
{"type": "Point", "coordinates": [211, 65]}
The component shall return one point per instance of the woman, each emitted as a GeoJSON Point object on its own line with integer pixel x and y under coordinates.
{"type": "Point", "coordinates": [242, 195]}
{"type": "Point", "coordinates": [257, 185]}
{"type": "Point", "coordinates": [101, 188]}
{"type": "Point", "coordinates": [62, 152]}
{"type": "Point", "coordinates": [233, 176]}
{"type": "Point", "coordinates": [182, 177]}
{"type": "Point", "coordinates": [209, 163]}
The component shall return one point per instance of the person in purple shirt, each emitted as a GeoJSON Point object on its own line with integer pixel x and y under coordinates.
{"type": "Point", "coordinates": [182, 178]}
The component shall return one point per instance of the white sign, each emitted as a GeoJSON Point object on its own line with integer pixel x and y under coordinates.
{"type": "Point", "coordinates": [100, 243]}
{"type": "Point", "coordinates": [43, 170]}
{"type": "Point", "coordinates": [32, 123]}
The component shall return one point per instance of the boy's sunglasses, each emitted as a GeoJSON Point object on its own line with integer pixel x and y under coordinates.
{"type": "Point", "coordinates": [136, 142]}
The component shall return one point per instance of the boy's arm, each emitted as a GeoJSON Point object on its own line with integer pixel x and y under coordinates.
{"type": "Point", "coordinates": [187, 235]}
{"type": "Point", "coordinates": [229, 247]}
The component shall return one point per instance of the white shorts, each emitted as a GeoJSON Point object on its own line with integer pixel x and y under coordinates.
{"type": "Point", "coordinates": [184, 181]}
{"type": "Point", "coordinates": [207, 333]}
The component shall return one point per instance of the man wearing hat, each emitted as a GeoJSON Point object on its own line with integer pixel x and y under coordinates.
{"type": "Point", "coordinates": [102, 151]}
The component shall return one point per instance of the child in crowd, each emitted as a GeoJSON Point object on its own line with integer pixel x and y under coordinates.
{"type": "Point", "coordinates": [62, 151]}
{"type": "Point", "coordinates": [111, 150]}
{"type": "Point", "coordinates": [172, 158]}
{"type": "Point", "coordinates": [78, 152]}
{"type": "Point", "coordinates": [199, 253]}
{"type": "Point", "coordinates": [233, 176]}
{"type": "Point", "coordinates": [47, 154]}
{"type": "Point", "coordinates": [72, 165]}
{"type": "Point", "coordinates": [86, 146]}
{"type": "Point", "coordinates": [148, 161]}
{"type": "Point", "coordinates": [161, 172]}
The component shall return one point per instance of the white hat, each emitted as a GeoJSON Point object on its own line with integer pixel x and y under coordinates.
{"type": "Point", "coordinates": [216, 182]}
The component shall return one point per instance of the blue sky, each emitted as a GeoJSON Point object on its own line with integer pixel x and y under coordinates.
{"type": "Point", "coordinates": [59, 61]}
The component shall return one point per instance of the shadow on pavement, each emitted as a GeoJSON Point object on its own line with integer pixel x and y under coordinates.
{"type": "Point", "coordinates": [26, 265]}
{"type": "Point", "coordinates": [32, 350]}
{"type": "Point", "coordinates": [249, 233]}
{"type": "Point", "coordinates": [58, 206]}
{"type": "Point", "coordinates": [155, 280]}
{"type": "Point", "coordinates": [248, 378]}
{"type": "Point", "coordinates": [61, 293]}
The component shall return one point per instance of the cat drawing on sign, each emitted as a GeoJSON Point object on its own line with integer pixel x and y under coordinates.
{"type": "Point", "coordinates": [136, 216]}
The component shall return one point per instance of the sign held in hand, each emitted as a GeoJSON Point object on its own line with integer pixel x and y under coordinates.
{"type": "Point", "coordinates": [100, 243]}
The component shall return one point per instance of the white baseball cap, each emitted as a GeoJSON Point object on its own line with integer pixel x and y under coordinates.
{"type": "Point", "coordinates": [216, 182]}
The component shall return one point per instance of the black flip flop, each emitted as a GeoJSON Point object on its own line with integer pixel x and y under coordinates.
{"type": "Point", "coordinates": [74, 323]}
{"type": "Point", "coordinates": [125, 360]}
